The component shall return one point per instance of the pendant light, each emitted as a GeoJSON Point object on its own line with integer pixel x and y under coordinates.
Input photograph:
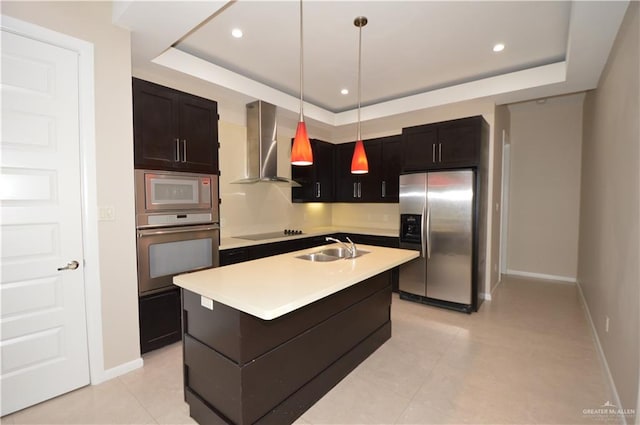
{"type": "Point", "coordinates": [359, 163]}
{"type": "Point", "coordinates": [301, 150]}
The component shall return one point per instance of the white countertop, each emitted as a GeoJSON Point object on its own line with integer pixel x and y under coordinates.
{"type": "Point", "coordinates": [236, 242]}
{"type": "Point", "coordinates": [271, 287]}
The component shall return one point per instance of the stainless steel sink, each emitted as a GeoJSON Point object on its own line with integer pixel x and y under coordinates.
{"type": "Point", "coordinates": [343, 252]}
{"type": "Point", "coordinates": [318, 257]}
{"type": "Point", "coordinates": [330, 254]}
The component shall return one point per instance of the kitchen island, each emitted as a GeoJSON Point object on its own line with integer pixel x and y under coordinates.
{"type": "Point", "coordinates": [265, 339]}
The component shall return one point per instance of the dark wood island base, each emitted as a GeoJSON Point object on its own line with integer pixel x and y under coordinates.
{"type": "Point", "coordinates": [240, 369]}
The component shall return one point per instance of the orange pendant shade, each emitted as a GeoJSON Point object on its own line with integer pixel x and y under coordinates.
{"type": "Point", "coordinates": [359, 163]}
{"type": "Point", "coordinates": [301, 151]}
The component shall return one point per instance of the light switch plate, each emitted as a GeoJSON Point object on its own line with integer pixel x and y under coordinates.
{"type": "Point", "coordinates": [106, 213]}
{"type": "Point", "coordinates": [206, 302]}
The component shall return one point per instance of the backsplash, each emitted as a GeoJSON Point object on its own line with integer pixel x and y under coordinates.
{"type": "Point", "coordinates": [379, 216]}
{"type": "Point", "coordinates": [260, 207]}
{"type": "Point", "coordinates": [266, 207]}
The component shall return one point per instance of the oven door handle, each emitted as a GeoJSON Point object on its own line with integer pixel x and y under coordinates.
{"type": "Point", "coordinates": [174, 230]}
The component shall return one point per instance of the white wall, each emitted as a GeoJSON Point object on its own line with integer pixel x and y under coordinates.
{"type": "Point", "coordinates": [91, 21]}
{"type": "Point", "coordinates": [502, 124]}
{"type": "Point", "coordinates": [544, 194]}
{"type": "Point", "coordinates": [609, 250]}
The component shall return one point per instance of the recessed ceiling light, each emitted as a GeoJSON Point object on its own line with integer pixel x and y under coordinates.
{"type": "Point", "coordinates": [344, 91]}
{"type": "Point", "coordinates": [498, 47]}
{"type": "Point", "coordinates": [236, 32]}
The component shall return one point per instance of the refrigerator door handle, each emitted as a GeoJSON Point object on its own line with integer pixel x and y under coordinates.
{"type": "Point", "coordinates": [428, 233]}
{"type": "Point", "coordinates": [422, 236]}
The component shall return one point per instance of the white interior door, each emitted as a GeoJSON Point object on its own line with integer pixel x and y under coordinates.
{"type": "Point", "coordinates": [44, 339]}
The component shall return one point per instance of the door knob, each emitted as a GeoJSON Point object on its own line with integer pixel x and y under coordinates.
{"type": "Point", "coordinates": [72, 265]}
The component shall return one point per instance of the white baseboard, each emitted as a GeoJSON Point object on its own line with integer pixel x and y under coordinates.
{"type": "Point", "coordinates": [114, 372]}
{"type": "Point", "coordinates": [486, 296]}
{"type": "Point", "coordinates": [563, 279]}
{"type": "Point", "coordinates": [603, 359]}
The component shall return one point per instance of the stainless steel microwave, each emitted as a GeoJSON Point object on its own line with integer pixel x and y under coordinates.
{"type": "Point", "coordinates": [171, 198]}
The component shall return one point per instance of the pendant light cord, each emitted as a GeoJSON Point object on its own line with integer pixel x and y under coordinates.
{"type": "Point", "coordinates": [301, 67]}
{"type": "Point", "coordinates": [360, 22]}
{"type": "Point", "coordinates": [359, 75]}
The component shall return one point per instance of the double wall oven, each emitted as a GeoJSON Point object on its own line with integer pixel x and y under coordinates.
{"type": "Point", "coordinates": [177, 225]}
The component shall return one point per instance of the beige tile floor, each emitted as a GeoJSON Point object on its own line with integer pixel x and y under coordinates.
{"type": "Point", "coordinates": [527, 357]}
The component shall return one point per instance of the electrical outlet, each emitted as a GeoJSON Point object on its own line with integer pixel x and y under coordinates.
{"type": "Point", "coordinates": [206, 302]}
{"type": "Point", "coordinates": [606, 324]}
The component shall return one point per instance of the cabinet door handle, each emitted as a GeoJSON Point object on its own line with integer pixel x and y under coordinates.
{"type": "Point", "coordinates": [439, 152]}
{"type": "Point", "coordinates": [317, 189]}
{"type": "Point", "coordinates": [355, 190]}
{"type": "Point", "coordinates": [433, 152]}
{"type": "Point", "coordinates": [177, 156]}
{"type": "Point", "coordinates": [384, 188]}
{"type": "Point", "coordinates": [359, 190]}
{"type": "Point", "coordinates": [184, 150]}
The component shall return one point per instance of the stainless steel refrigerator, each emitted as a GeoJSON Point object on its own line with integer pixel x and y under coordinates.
{"type": "Point", "coordinates": [437, 212]}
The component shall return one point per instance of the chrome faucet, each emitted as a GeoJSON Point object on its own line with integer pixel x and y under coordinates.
{"type": "Point", "coordinates": [352, 250]}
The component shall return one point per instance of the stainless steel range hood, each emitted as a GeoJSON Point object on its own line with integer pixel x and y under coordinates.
{"type": "Point", "coordinates": [262, 146]}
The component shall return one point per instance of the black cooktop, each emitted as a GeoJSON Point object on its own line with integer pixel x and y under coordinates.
{"type": "Point", "coordinates": [271, 235]}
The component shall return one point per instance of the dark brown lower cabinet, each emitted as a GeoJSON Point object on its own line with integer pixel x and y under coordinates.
{"type": "Point", "coordinates": [160, 323]}
{"type": "Point", "coordinates": [386, 241]}
{"type": "Point", "coordinates": [238, 255]}
{"type": "Point", "coordinates": [240, 369]}
{"type": "Point", "coordinates": [233, 256]}
{"type": "Point", "coordinates": [253, 252]}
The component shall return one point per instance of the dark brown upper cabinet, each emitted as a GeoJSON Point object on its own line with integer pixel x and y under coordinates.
{"type": "Point", "coordinates": [316, 180]}
{"type": "Point", "coordinates": [448, 144]}
{"type": "Point", "coordinates": [381, 183]}
{"type": "Point", "coordinates": [391, 166]}
{"type": "Point", "coordinates": [346, 184]}
{"type": "Point", "coordinates": [174, 130]}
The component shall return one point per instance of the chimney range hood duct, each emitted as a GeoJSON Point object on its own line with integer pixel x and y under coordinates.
{"type": "Point", "coordinates": [262, 146]}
